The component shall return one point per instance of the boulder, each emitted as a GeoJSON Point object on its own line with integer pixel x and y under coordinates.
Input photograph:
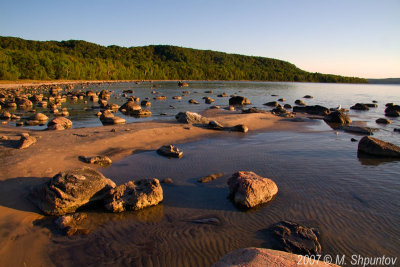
{"type": "Point", "coordinates": [177, 97]}
{"type": "Point", "coordinates": [67, 191]}
{"type": "Point", "coordinates": [192, 101]}
{"type": "Point", "coordinates": [337, 117]}
{"type": "Point", "coordinates": [239, 101]}
{"type": "Point", "coordinates": [308, 96]}
{"type": "Point", "coordinates": [24, 103]}
{"type": "Point", "coordinates": [145, 103]}
{"type": "Point", "coordinates": [104, 94]}
{"type": "Point", "coordinates": [134, 195]}
{"type": "Point", "coordinates": [191, 118]}
{"type": "Point", "coordinates": [287, 106]}
{"type": "Point", "coordinates": [215, 125]}
{"type": "Point", "coordinates": [240, 128]}
{"type": "Point", "coordinates": [223, 95]}
{"type": "Point", "coordinates": [39, 117]}
{"type": "Point", "coordinates": [248, 189]}
{"type": "Point", "coordinates": [209, 100]}
{"type": "Point", "coordinates": [371, 105]}
{"type": "Point", "coordinates": [392, 111]}
{"type": "Point", "coordinates": [300, 102]}
{"type": "Point", "coordinates": [360, 106]}
{"type": "Point", "coordinates": [313, 110]}
{"type": "Point", "coordinates": [100, 160]}
{"type": "Point", "coordinates": [59, 123]}
{"type": "Point", "coordinates": [262, 257]}
{"type": "Point", "coordinates": [130, 107]}
{"type": "Point", "coordinates": [170, 151]}
{"type": "Point", "coordinates": [295, 238]}
{"type": "Point", "coordinates": [5, 115]}
{"type": "Point", "coordinates": [379, 148]}
{"type": "Point", "coordinates": [281, 99]}
{"type": "Point", "coordinates": [42, 104]}
{"type": "Point", "coordinates": [271, 104]}
{"type": "Point", "coordinates": [182, 84]}
{"type": "Point", "coordinates": [383, 121]}
{"type": "Point", "coordinates": [160, 97]}
{"type": "Point", "coordinates": [107, 117]}
{"type": "Point", "coordinates": [141, 113]}
{"type": "Point", "coordinates": [280, 111]}
{"type": "Point", "coordinates": [26, 141]}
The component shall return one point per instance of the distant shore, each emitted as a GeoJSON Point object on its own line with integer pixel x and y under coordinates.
{"type": "Point", "coordinates": [6, 84]}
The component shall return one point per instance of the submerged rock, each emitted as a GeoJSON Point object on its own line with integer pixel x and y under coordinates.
{"type": "Point", "coordinates": [239, 101]}
{"type": "Point", "coordinates": [170, 151]}
{"type": "Point", "coordinates": [262, 257]}
{"type": "Point", "coordinates": [210, 178]}
{"type": "Point", "coordinates": [67, 191]}
{"type": "Point", "coordinates": [248, 189]}
{"type": "Point", "coordinates": [358, 129]}
{"type": "Point", "coordinates": [295, 238]}
{"type": "Point", "coordinates": [134, 195]}
{"type": "Point", "coordinates": [376, 147]}
{"type": "Point", "coordinates": [70, 224]}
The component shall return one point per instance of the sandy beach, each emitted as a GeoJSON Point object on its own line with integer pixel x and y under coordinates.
{"type": "Point", "coordinates": [57, 151]}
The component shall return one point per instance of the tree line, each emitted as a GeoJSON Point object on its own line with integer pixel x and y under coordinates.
{"type": "Point", "coordinates": [81, 60]}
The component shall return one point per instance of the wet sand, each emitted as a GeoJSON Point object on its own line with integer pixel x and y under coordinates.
{"type": "Point", "coordinates": [22, 240]}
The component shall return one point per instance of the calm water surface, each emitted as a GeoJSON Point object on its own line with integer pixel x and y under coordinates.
{"type": "Point", "coordinates": [355, 203]}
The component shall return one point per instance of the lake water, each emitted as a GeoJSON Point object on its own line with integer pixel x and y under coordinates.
{"type": "Point", "coordinates": [354, 203]}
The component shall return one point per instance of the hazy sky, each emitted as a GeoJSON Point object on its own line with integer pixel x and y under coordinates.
{"type": "Point", "coordinates": [346, 37]}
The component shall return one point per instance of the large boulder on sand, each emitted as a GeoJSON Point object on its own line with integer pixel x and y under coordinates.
{"type": "Point", "coordinates": [67, 191]}
{"type": "Point", "coordinates": [248, 189]}
{"type": "Point", "coordinates": [191, 118]}
{"type": "Point", "coordinates": [379, 148]}
{"type": "Point", "coordinates": [239, 101]}
{"type": "Point", "coordinates": [262, 257]}
{"type": "Point", "coordinates": [59, 123]}
{"type": "Point", "coordinates": [134, 195]}
{"type": "Point", "coordinates": [337, 117]}
{"type": "Point", "coordinates": [293, 237]}
{"type": "Point", "coordinates": [26, 141]}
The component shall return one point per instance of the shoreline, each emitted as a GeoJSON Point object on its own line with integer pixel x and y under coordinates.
{"type": "Point", "coordinates": [34, 83]}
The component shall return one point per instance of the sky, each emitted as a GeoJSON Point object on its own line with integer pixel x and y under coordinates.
{"type": "Point", "coordinates": [345, 37]}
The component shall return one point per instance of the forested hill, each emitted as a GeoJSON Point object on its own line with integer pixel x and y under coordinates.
{"type": "Point", "coordinates": [80, 60]}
